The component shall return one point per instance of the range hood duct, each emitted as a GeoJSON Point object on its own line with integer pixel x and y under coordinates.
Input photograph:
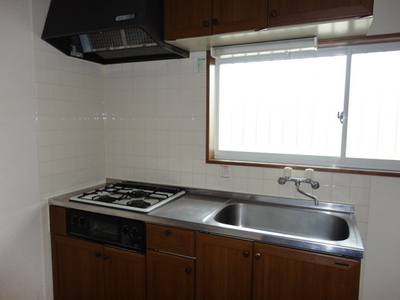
{"type": "Point", "coordinates": [109, 31]}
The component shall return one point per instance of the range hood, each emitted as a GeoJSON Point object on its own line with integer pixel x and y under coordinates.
{"type": "Point", "coordinates": [109, 31]}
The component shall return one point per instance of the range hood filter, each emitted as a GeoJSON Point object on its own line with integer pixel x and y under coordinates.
{"type": "Point", "coordinates": [109, 31]}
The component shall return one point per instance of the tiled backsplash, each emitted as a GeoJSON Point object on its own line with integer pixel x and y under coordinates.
{"type": "Point", "coordinates": [155, 122]}
{"type": "Point", "coordinates": [146, 122]}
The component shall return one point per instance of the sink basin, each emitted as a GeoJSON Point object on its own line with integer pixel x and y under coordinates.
{"type": "Point", "coordinates": [285, 220]}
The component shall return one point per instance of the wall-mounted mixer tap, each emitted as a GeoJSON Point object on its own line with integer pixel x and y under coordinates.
{"type": "Point", "coordinates": [309, 175]}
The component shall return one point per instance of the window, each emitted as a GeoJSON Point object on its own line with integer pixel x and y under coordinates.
{"type": "Point", "coordinates": [335, 107]}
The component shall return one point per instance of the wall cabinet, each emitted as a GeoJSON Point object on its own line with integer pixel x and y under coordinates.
{"type": "Point", "coordinates": [85, 270]}
{"type": "Point", "coordinates": [170, 276]}
{"type": "Point", "coordinates": [184, 19]}
{"type": "Point", "coordinates": [290, 12]}
{"type": "Point", "coordinates": [236, 269]}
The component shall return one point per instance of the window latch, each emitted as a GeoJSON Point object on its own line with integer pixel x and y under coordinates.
{"type": "Point", "coordinates": [340, 116]}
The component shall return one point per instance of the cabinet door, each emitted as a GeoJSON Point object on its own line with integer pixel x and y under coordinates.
{"type": "Point", "coordinates": [78, 269]}
{"type": "Point", "coordinates": [288, 12]}
{"type": "Point", "coordinates": [169, 277]}
{"type": "Point", "coordinates": [283, 273]}
{"type": "Point", "coordinates": [239, 15]}
{"type": "Point", "coordinates": [184, 19]}
{"type": "Point", "coordinates": [125, 275]}
{"type": "Point", "coordinates": [223, 268]}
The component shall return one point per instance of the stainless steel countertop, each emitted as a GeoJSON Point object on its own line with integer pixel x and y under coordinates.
{"type": "Point", "coordinates": [191, 212]}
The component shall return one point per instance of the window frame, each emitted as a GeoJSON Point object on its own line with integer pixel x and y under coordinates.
{"type": "Point", "coordinates": [210, 142]}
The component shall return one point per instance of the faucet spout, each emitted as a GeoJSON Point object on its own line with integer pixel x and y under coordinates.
{"type": "Point", "coordinates": [297, 183]}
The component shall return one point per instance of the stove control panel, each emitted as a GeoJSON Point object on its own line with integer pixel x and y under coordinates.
{"type": "Point", "coordinates": [115, 231]}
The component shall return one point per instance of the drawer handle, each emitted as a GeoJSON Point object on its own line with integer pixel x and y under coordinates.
{"type": "Point", "coordinates": [188, 270]}
{"type": "Point", "coordinates": [246, 253]}
{"type": "Point", "coordinates": [257, 255]}
{"type": "Point", "coordinates": [206, 23]}
{"type": "Point", "coordinates": [98, 254]}
{"type": "Point", "coordinates": [106, 256]}
{"type": "Point", "coordinates": [167, 232]}
{"type": "Point", "coordinates": [215, 22]}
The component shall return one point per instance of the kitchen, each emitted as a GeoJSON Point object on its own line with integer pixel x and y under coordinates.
{"type": "Point", "coordinates": [65, 126]}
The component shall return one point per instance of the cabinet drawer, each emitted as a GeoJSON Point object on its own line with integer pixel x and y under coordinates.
{"type": "Point", "coordinates": [169, 239]}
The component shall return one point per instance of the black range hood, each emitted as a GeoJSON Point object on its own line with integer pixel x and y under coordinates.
{"type": "Point", "coordinates": [109, 31]}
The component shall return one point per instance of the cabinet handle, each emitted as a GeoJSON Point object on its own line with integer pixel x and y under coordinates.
{"type": "Point", "coordinates": [206, 23]}
{"type": "Point", "coordinates": [98, 254]}
{"type": "Point", "coordinates": [273, 13]}
{"type": "Point", "coordinates": [188, 270]}
{"type": "Point", "coordinates": [106, 256]}
{"type": "Point", "coordinates": [246, 253]}
{"type": "Point", "coordinates": [257, 255]}
{"type": "Point", "coordinates": [215, 21]}
{"type": "Point", "coordinates": [167, 232]}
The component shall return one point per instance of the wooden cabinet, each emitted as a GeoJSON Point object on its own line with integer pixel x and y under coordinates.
{"type": "Point", "coordinates": [283, 273]}
{"type": "Point", "coordinates": [168, 239]}
{"type": "Point", "coordinates": [184, 19]}
{"type": "Point", "coordinates": [223, 268]}
{"type": "Point", "coordinates": [235, 269]}
{"type": "Point", "coordinates": [184, 265]}
{"type": "Point", "coordinates": [85, 270]}
{"type": "Point", "coordinates": [290, 12]}
{"type": "Point", "coordinates": [78, 271]}
{"type": "Point", "coordinates": [170, 276]}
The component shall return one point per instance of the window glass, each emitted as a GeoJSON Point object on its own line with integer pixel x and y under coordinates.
{"type": "Point", "coordinates": [373, 119]}
{"type": "Point", "coordinates": [284, 108]}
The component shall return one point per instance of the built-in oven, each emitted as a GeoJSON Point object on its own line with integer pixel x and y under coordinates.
{"type": "Point", "coordinates": [109, 230]}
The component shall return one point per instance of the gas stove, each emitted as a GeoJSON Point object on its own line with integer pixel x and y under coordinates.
{"type": "Point", "coordinates": [135, 196]}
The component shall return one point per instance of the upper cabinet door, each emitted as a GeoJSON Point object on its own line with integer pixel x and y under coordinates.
{"type": "Point", "coordinates": [239, 15]}
{"type": "Point", "coordinates": [289, 12]}
{"type": "Point", "coordinates": [183, 18]}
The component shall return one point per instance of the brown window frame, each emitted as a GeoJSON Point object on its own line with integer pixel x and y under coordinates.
{"type": "Point", "coordinates": [210, 146]}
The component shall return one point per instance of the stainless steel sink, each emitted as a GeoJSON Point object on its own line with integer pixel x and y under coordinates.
{"type": "Point", "coordinates": [328, 227]}
{"type": "Point", "coordinates": [298, 222]}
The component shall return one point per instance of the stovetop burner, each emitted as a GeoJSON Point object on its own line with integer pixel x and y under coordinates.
{"type": "Point", "coordinates": [138, 203]}
{"type": "Point", "coordinates": [131, 196]}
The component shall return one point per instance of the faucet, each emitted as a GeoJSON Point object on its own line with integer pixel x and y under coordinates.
{"type": "Point", "coordinates": [297, 181]}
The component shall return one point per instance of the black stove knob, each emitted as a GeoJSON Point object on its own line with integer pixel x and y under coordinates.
{"type": "Point", "coordinates": [74, 219]}
{"type": "Point", "coordinates": [134, 232]}
{"type": "Point", "coordinates": [125, 230]}
{"type": "Point", "coordinates": [82, 221]}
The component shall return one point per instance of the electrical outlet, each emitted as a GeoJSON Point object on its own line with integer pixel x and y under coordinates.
{"type": "Point", "coordinates": [224, 171]}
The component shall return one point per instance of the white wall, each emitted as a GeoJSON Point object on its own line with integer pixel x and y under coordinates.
{"type": "Point", "coordinates": [382, 263]}
{"type": "Point", "coordinates": [21, 250]}
{"type": "Point", "coordinates": [386, 17]}
{"type": "Point", "coordinates": [70, 126]}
